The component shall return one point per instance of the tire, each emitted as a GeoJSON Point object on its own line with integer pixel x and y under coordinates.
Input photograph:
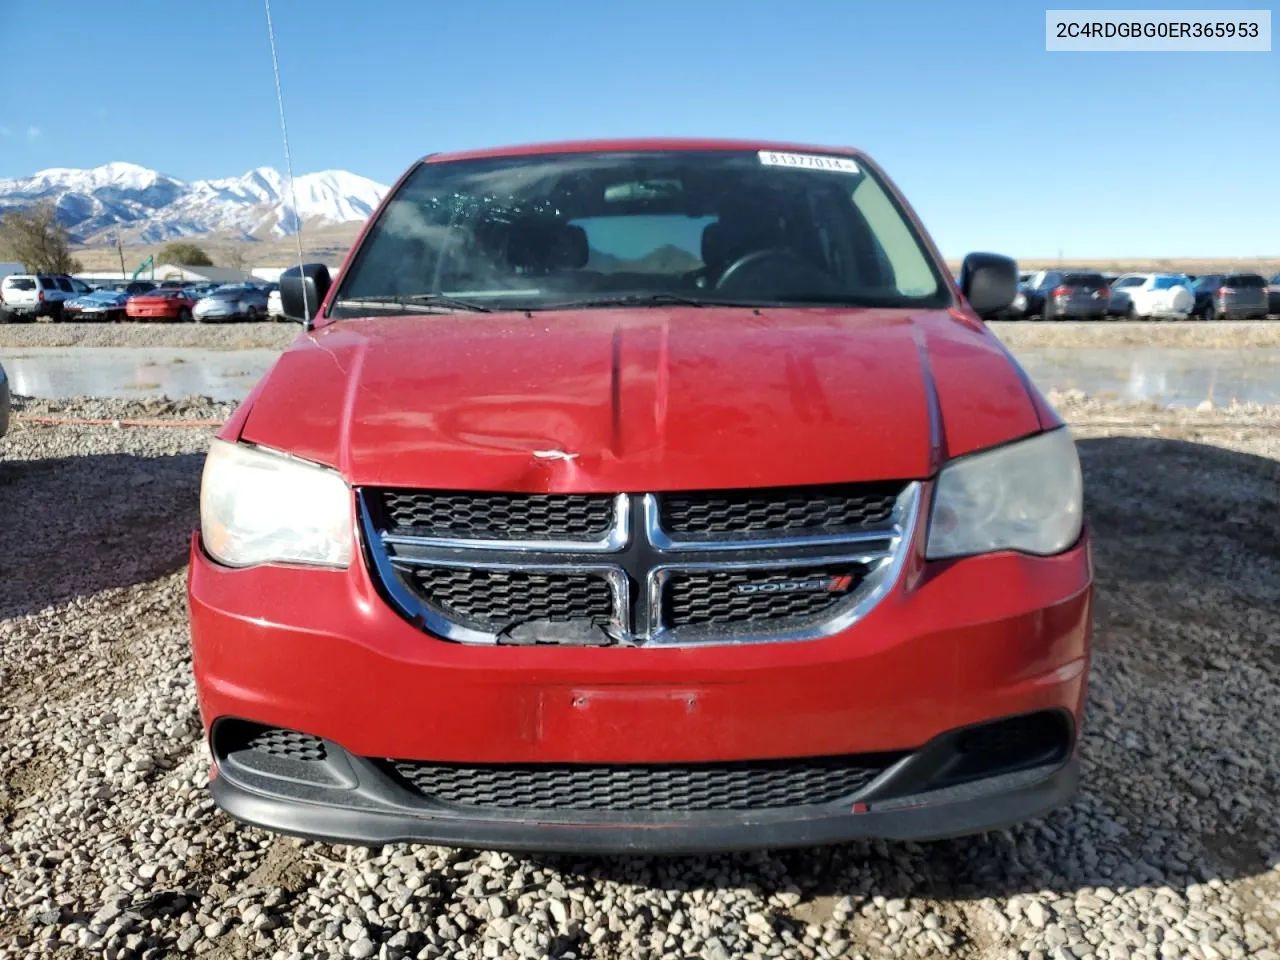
{"type": "Point", "coordinates": [1208, 313]}
{"type": "Point", "coordinates": [5, 316]}
{"type": "Point", "coordinates": [184, 315]}
{"type": "Point", "coordinates": [1132, 312]}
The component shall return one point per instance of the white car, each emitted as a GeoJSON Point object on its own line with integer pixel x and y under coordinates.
{"type": "Point", "coordinates": [1143, 296]}
{"type": "Point", "coordinates": [32, 296]}
{"type": "Point", "coordinates": [275, 309]}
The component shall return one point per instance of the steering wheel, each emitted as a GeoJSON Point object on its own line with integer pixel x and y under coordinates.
{"type": "Point", "coordinates": [797, 274]}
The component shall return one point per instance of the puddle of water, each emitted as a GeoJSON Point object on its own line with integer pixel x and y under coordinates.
{"type": "Point", "coordinates": [1172, 376]}
{"type": "Point", "coordinates": [1177, 377]}
{"type": "Point", "coordinates": [133, 372]}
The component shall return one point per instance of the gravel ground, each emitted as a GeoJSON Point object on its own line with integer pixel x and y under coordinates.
{"type": "Point", "coordinates": [239, 336]}
{"type": "Point", "coordinates": [214, 336]}
{"type": "Point", "coordinates": [1122, 333]}
{"type": "Point", "coordinates": [110, 847]}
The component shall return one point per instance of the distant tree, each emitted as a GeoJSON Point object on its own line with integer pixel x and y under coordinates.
{"type": "Point", "coordinates": [35, 239]}
{"type": "Point", "coordinates": [185, 254]}
{"type": "Point", "coordinates": [233, 258]}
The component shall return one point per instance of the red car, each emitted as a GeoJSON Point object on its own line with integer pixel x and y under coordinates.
{"type": "Point", "coordinates": [162, 303]}
{"type": "Point", "coordinates": [643, 496]}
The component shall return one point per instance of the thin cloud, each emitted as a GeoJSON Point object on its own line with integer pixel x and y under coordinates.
{"type": "Point", "coordinates": [5, 132]}
{"type": "Point", "coordinates": [34, 133]}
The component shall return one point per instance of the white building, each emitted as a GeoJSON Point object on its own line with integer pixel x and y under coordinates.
{"type": "Point", "coordinates": [170, 271]}
{"type": "Point", "coordinates": [272, 274]}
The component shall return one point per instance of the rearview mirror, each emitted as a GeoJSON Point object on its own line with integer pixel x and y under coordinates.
{"type": "Point", "coordinates": [302, 290]}
{"type": "Point", "coordinates": [989, 282]}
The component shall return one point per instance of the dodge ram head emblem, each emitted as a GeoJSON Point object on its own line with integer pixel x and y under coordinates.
{"type": "Point", "coordinates": [838, 584]}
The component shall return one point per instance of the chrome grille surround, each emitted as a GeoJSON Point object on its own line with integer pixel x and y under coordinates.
{"type": "Point", "coordinates": [637, 557]}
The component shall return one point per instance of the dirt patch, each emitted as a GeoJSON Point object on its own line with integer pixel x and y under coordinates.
{"type": "Point", "coordinates": [285, 866]}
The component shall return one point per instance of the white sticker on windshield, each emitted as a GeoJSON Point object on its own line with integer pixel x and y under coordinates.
{"type": "Point", "coordinates": [808, 161]}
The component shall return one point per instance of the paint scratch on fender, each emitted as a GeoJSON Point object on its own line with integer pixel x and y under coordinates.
{"type": "Point", "coordinates": [554, 455]}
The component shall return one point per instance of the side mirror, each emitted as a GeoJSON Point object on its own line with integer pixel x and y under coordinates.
{"type": "Point", "coordinates": [302, 290]}
{"type": "Point", "coordinates": [989, 282]}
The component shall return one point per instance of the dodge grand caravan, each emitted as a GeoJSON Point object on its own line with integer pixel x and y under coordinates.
{"type": "Point", "coordinates": [642, 495]}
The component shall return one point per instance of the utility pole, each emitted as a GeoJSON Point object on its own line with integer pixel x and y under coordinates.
{"type": "Point", "coordinates": [120, 250]}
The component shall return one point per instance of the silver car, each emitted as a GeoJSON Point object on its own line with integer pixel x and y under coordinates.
{"type": "Point", "coordinates": [237, 302]}
{"type": "Point", "coordinates": [1078, 296]}
{"type": "Point", "coordinates": [1231, 296]}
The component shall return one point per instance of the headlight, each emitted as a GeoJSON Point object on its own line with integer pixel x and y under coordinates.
{"type": "Point", "coordinates": [258, 507]}
{"type": "Point", "coordinates": [1027, 496]}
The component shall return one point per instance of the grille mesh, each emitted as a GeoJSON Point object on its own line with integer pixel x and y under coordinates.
{"type": "Point", "coordinates": [779, 511]}
{"type": "Point", "coordinates": [753, 785]}
{"type": "Point", "coordinates": [288, 744]}
{"type": "Point", "coordinates": [492, 599]}
{"type": "Point", "coordinates": [711, 598]}
{"type": "Point", "coordinates": [497, 516]}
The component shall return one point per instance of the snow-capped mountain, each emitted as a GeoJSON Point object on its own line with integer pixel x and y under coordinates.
{"type": "Point", "coordinates": [151, 207]}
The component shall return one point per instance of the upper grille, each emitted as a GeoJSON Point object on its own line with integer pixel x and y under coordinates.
{"type": "Point", "coordinates": [494, 599]}
{"type": "Point", "coordinates": [289, 744]}
{"type": "Point", "coordinates": [779, 510]}
{"type": "Point", "coordinates": [713, 597]}
{"type": "Point", "coordinates": [498, 516]}
{"type": "Point", "coordinates": [633, 569]}
{"type": "Point", "coordinates": [753, 785]}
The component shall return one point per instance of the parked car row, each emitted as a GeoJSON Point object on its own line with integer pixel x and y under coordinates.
{"type": "Point", "coordinates": [60, 297]}
{"type": "Point", "coordinates": [1083, 295]}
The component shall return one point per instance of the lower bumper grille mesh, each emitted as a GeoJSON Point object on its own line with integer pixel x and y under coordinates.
{"type": "Point", "coordinates": [286, 744]}
{"type": "Point", "coordinates": [753, 785]}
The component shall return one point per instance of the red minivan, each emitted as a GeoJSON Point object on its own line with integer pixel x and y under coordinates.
{"type": "Point", "coordinates": [649, 495]}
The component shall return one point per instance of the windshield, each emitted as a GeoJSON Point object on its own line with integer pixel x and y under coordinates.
{"type": "Point", "coordinates": [1090, 281]}
{"type": "Point", "coordinates": [1246, 280]}
{"type": "Point", "coordinates": [1168, 283]}
{"type": "Point", "coordinates": [579, 229]}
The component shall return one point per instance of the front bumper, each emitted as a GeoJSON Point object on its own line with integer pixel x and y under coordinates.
{"type": "Point", "coordinates": [366, 805]}
{"type": "Point", "coordinates": [953, 644]}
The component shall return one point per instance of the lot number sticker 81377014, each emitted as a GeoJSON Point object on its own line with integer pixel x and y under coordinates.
{"type": "Point", "coordinates": [808, 161]}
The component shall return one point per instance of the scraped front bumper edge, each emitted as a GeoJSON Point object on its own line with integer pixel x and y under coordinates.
{"type": "Point", "coordinates": [988, 804]}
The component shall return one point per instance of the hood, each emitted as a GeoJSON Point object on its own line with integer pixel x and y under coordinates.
{"type": "Point", "coordinates": [97, 299]}
{"type": "Point", "coordinates": [634, 400]}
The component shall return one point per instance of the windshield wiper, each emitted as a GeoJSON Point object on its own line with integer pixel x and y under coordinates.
{"type": "Point", "coordinates": [415, 299]}
{"type": "Point", "coordinates": [643, 300]}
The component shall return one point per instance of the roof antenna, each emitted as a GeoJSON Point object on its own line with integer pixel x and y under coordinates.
{"type": "Point", "coordinates": [288, 165]}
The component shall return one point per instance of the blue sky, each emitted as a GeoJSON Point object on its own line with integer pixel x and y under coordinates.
{"type": "Point", "coordinates": [998, 144]}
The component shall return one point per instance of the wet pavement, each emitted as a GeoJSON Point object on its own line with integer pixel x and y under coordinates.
{"type": "Point", "coordinates": [1179, 377]}
{"type": "Point", "coordinates": [1175, 377]}
{"type": "Point", "coordinates": [58, 373]}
